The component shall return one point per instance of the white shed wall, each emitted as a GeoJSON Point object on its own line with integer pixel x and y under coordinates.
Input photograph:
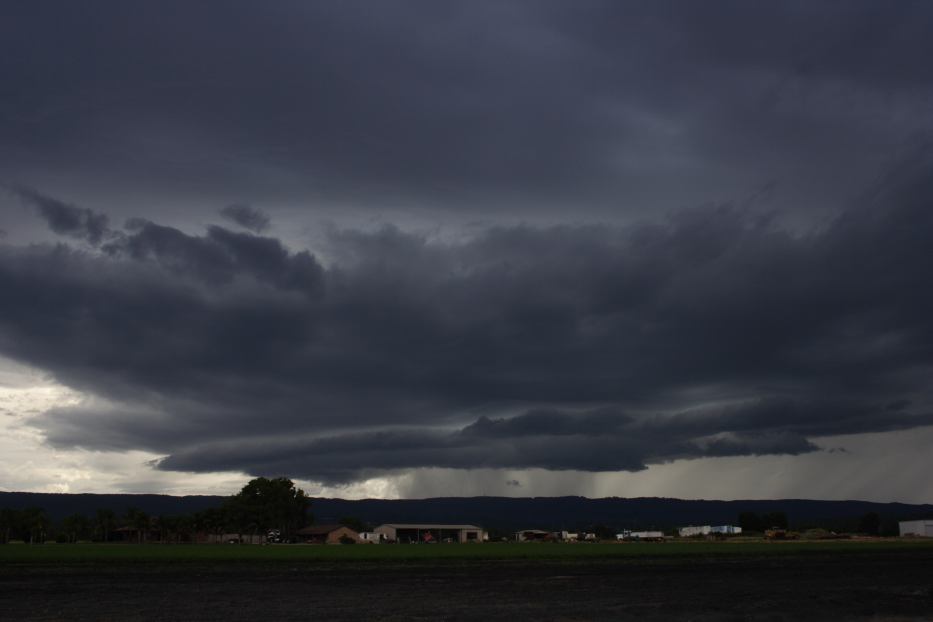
{"type": "Point", "coordinates": [916, 528]}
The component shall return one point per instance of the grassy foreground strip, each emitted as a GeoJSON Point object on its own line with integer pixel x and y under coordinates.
{"type": "Point", "coordinates": [81, 553]}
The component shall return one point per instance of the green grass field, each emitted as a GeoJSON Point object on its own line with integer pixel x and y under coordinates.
{"type": "Point", "coordinates": [104, 553]}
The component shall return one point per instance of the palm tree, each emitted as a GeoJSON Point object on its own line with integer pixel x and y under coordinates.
{"type": "Point", "coordinates": [161, 524]}
{"type": "Point", "coordinates": [105, 523]}
{"type": "Point", "coordinates": [37, 523]}
{"type": "Point", "coordinates": [184, 528]}
{"type": "Point", "coordinates": [10, 522]}
{"type": "Point", "coordinates": [140, 522]}
{"type": "Point", "coordinates": [75, 527]}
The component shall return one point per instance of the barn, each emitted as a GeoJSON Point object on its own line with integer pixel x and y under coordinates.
{"type": "Point", "coordinates": [327, 534]}
{"type": "Point", "coordinates": [917, 528]}
{"type": "Point", "coordinates": [430, 533]}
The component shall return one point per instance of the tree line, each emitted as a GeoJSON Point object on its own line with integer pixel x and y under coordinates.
{"type": "Point", "coordinates": [263, 506]}
{"type": "Point", "coordinates": [871, 523]}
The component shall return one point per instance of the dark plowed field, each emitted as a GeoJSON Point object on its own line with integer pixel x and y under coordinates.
{"type": "Point", "coordinates": [876, 585]}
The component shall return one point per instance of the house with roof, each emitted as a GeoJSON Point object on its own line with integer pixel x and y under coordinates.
{"type": "Point", "coordinates": [327, 534]}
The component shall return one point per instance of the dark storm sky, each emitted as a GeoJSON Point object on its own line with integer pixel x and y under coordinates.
{"type": "Point", "coordinates": [338, 239]}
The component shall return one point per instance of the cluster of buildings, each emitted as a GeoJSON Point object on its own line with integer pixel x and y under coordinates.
{"type": "Point", "coordinates": [709, 530]}
{"type": "Point", "coordinates": [413, 533]}
{"type": "Point", "coordinates": [428, 533]}
{"type": "Point", "coordinates": [538, 535]}
{"type": "Point", "coordinates": [404, 533]}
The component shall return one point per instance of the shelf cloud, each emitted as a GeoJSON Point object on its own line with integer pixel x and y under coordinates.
{"type": "Point", "coordinates": [570, 347]}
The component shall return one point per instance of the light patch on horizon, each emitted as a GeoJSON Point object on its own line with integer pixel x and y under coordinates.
{"type": "Point", "coordinates": [884, 467]}
{"type": "Point", "coordinates": [28, 464]}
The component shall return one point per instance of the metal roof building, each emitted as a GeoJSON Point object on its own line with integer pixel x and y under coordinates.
{"type": "Point", "coordinates": [413, 533]}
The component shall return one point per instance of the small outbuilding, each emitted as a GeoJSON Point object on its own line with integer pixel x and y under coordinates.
{"type": "Point", "coordinates": [641, 536]}
{"type": "Point", "coordinates": [565, 536]}
{"type": "Point", "coordinates": [532, 535]}
{"type": "Point", "coordinates": [694, 530]}
{"type": "Point", "coordinates": [327, 534]}
{"type": "Point", "coordinates": [371, 537]}
{"type": "Point", "coordinates": [706, 530]}
{"type": "Point", "coordinates": [430, 533]}
{"type": "Point", "coordinates": [922, 528]}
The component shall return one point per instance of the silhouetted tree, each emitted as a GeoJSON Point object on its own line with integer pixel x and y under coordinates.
{"type": "Point", "coordinates": [774, 519]}
{"type": "Point", "coordinates": [870, 524]}
{"type": "Point", "coordinates": [265, 504]}
{"type": "Point", "coordinates": [36, 523]}
{"type": "Point", "coordinates": [140, 522]}
{"type": "Point", "coordinates": [162, 524]}
{"type": "Point", "coordinates": [213, 521]}
{"type": "Point", "coordinates": [183, 528]}
{"type": "Point", "coordinates": [11, 524]}
{"type": "Point", "coordinates": [75, 527]}
{"type": "Point", "coordinates": [105, 521]}
{"type": "Point", "coordinates": [750, 521]}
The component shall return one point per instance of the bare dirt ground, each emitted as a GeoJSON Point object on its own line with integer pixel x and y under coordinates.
{"type": "Point", "coordinates": [873, 586]}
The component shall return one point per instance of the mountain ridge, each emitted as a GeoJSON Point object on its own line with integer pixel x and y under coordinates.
{"type": "Point", "coordinates": [502, 513]}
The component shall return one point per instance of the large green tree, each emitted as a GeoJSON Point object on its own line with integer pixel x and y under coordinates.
{"type": "Point", "coordinates": [265, 504]}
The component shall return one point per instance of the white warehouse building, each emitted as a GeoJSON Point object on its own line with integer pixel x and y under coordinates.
{"type": "Point", "coordinates": [640, 535]}
{"type": "Point", "coordinates": [916, 528]}
{"type": "Point", "coordinates": [705, 530]}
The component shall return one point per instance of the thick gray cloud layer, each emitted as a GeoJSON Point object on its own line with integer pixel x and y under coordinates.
{"type": "Point", "coordinates": [504, 109]}
{"type": "Point", "coordinates": [593, 348]}
{"type": "Point", "coordinates": [63, 218]}
{"type": "Point", "coordinates": [727, 275]}
{"type": "Point", "coordinates": [247, 217]}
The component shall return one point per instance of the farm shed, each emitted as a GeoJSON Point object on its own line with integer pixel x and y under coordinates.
{"type": "Point", "coordinates": [327, 534]}
{"type": "Point", "coordinates": [916, 528]}
{"type": "Point", "coordinates": [532, 535]}
{"type": "Point", "coordinates": [234, 538]}
{"type": "Point", "coordinates": [429, 533]}
{"type": "Point", "coordinates": [566, 536]}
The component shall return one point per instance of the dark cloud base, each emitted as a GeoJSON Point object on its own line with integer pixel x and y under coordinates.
{"type": "Point", "coordinates": [712, 333]}
{"type": "Point", "coordinates": [520, 105]}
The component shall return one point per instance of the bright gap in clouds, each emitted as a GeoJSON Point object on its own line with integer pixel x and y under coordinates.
{"type": "Point", "coordinates": [28, 464]}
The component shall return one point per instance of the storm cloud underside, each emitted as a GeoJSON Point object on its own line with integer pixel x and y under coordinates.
{"type": "Point", "coordinates": [561, 236]}
{"type": "Point", "coordinates": [572, 347]}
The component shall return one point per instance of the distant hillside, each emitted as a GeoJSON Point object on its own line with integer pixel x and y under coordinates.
{"type": "Point", "coordinates": [501, 513]}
